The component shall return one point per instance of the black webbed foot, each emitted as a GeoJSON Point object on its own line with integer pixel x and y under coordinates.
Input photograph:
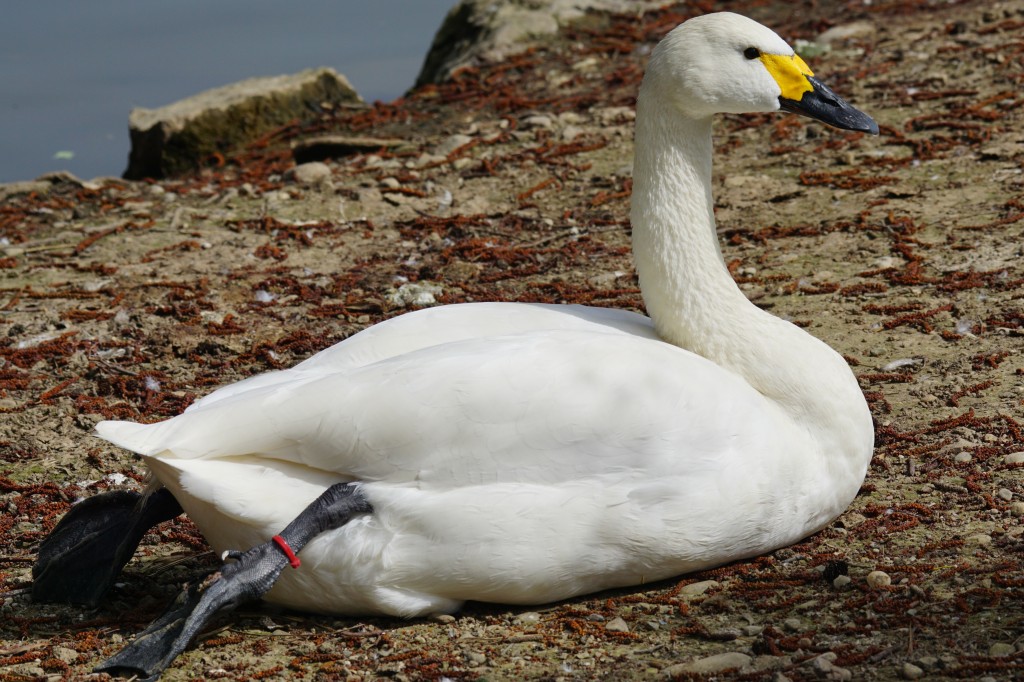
{"type": "Point", "coordinates": [249, 575]}
{"type": "Point", "coordinates": [247, 578]}
{"type": "Point", "coordinates": [80, 560]}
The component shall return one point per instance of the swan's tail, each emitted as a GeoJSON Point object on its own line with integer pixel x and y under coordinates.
{"type": "Point", "coordinates": [140, 438]}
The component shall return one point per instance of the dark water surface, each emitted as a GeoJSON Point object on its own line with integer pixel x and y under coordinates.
{"type": "Point", "coordinates": [71, 71]}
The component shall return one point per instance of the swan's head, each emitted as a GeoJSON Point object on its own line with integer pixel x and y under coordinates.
{"type": "Point", "coordinates": [727, 63]}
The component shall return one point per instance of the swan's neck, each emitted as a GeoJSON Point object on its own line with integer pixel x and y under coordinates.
{"type": "Point", "coordinates": [694, 302]}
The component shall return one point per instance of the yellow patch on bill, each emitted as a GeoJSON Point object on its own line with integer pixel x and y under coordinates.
{"type": "Point", "coordinates": [790, 72]}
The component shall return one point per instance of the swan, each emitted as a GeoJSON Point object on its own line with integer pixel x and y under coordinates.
{"type": "Point", "coordinates": [516, 453]}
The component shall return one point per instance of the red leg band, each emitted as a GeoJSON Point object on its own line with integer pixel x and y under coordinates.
{"type": "Point", "coordinates": [292, 559]}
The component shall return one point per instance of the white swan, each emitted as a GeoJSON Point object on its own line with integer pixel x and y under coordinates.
{"type": "Point", "coordinates": [527, 453]}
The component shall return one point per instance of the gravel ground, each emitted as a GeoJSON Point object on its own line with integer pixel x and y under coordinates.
{"type": "Point", "coordinates": [129, 300]}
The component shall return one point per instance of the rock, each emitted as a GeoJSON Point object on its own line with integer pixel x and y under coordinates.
{"type": "Point", "coordinates": [1005, 494]}
{"type": "Point", "coordinates": [314, 174]}
{"type": "Point", "coordinates": [63, 653]}
{"type": "Point", "coordinates": [475, 659]}
{"type": "Point", "coordinates": [825, 668]}
{"type": "Point", "coordinates": [451, 143]}
{"type": "Point", "coordinates": [178, 137]}
{"type": "Point", "coordinates": [696, 589]}
{"type": "Point", "coordinates": [1000, 649]}
{"type": "Point", "coordinates": [476, 31]}
{"type": "Point", "coordinates": [876, 579]}
{"type": "Point", "coordinates": [528, 618]}
{"type": "Point", "coordinates": [853, 519]}
{"type": "Point", "coordinates": [710, 664]}
{"type": "Point", "coordinates": [1014, 458]}
{"type": "Point", "coordinates": [444, 618]}
{"type": "Point", "coordinates": [793, 625]}
{"type": "Point", "coordinates": [1017, 508]}
{"type": "Point", "coordinates": [616, 625]}
{"type": "Point", "coordinates": [979, 539]}
{"type": "Point", "coordinates": [843, 32]}
{"type": "Point", "coordinates": [841, 581]}
{"type": "Point", "coordinates": [963, 458]}
{"type": "Point", "coordinates": [322, 147]}
{"type": "Point", "coordinates": [909, 671]}
{"type": "Point", "coordinates": [414, 293]}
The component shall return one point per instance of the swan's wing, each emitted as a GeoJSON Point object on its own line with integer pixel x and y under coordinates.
{"type": "Point", "coordinates": [529, 407]}
{"type": "Point", "coordinates": [444, 324]}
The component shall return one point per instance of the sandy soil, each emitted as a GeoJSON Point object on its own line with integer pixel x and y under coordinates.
{"type": "Point", "coordinates": [903, 251]}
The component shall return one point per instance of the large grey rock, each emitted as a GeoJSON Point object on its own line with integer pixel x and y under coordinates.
{"type": "Point", "coordinates": [177, 137]}
{"type": "Point", "coordinates": [490, 30]}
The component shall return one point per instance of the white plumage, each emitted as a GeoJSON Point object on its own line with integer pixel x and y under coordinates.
{"type": "Point", "coordinates": [526, 453]}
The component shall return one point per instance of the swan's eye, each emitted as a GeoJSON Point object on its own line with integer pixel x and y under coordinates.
{"type": "Point", "coordinates": [751, 53]}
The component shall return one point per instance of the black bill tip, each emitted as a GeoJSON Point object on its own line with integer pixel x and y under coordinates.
{"type": "Point", "coordinates": [821, 104]}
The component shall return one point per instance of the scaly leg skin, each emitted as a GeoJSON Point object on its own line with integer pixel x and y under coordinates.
{"type": "Point", "coordinates": [80, 560]}
{"type": "Point", "coordinates": [248, 577]}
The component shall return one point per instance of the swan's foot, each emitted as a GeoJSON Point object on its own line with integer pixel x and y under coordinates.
{"type": "Point", "coordinates": [247, 577]}
{"type": "Point", "coordinates": [82, 557]}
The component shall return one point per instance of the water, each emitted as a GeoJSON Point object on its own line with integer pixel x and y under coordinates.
{"type": "Point", "coordinates": [71, 71]}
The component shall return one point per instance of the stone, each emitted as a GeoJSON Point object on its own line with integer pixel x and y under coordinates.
{"type": "Point", "coordinates": [1005, 494]}
{"type": "Point", "coordinates": [909, 671]}
{"type": "Point", "coordinates": [1014, 458]}
{"type": "Point", "coordinates": [63, 653]}
{"type": "Point", "coordinates": [963, 458]}
{"type": "Point", "coordinates": [825, 668]}
{"type": "Point", "coordinates": [793, 625]}
{"type": "Point", "coordinates": [876, 579]}
{"type": "Point", "coordinates": [478, 31]}
{"type": "Point", "coordinates": [616, 625]}
{"type": "Point", "coordinates": [414, 294]}
{"type": "Point", "coordinates": [979, 539]}
{"type": "Point", "coordinates": [313, 174]}
{"type": "Point", "coordinates": [451, 143]}
{"type": "Point", "coordinates": [1001, 649]}
{"type": "Point", "coordinates": [1017, 508]}
{"type": "Point", "coordinates": [844, 32]}
{"type": "Point", "coordinates": [528, 618]}
{"type": "Point", "coordinates": [841, 581]}
{"type": "Point", "coordinates": [696, 589]}
{"type": "Point", "coordinates": [709, 664]}
{"type": "Point", "coordinates": [178, 137]}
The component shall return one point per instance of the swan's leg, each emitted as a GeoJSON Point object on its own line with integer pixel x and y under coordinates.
{"type": "Point", "coordinates": [248, 577]}
{"type": "Point", "coordinates": [82, 557]}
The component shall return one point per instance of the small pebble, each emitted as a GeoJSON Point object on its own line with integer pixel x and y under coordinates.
{"type": "Point", "coordinates": [911, 671]}
{"type": "Point", "coordinates": [313, 173]}
{"type": "Point", "coordinates": [1014, 458]}
{"type": "Point", "coordinates": [841, 581]}
{"type": "Point", "coordinates": [963, 458]}
{"type": "Point", "coordinates": [616, 625]}
{"type": "Point", "coordinates": [878, 579]}
{"type": "Point", "coordinates": [979, 539]}
{"type": "Point", "coordinates": [1005, 494]}
{"type": "Point", "coordinates": [528, 618]}
{"type": "Point", "coordinates": [443, 618]}
{"type": "Point", "coordinates": [1017, 508]}
{"type": "Point", "coordinates": [709, 664]}
{"type": "Point", "coordinates": [1000, 649]}
{"type": "Point", "coordinates": [694, 589]}
{"type": "Point", "coordinates": [793, 624]}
